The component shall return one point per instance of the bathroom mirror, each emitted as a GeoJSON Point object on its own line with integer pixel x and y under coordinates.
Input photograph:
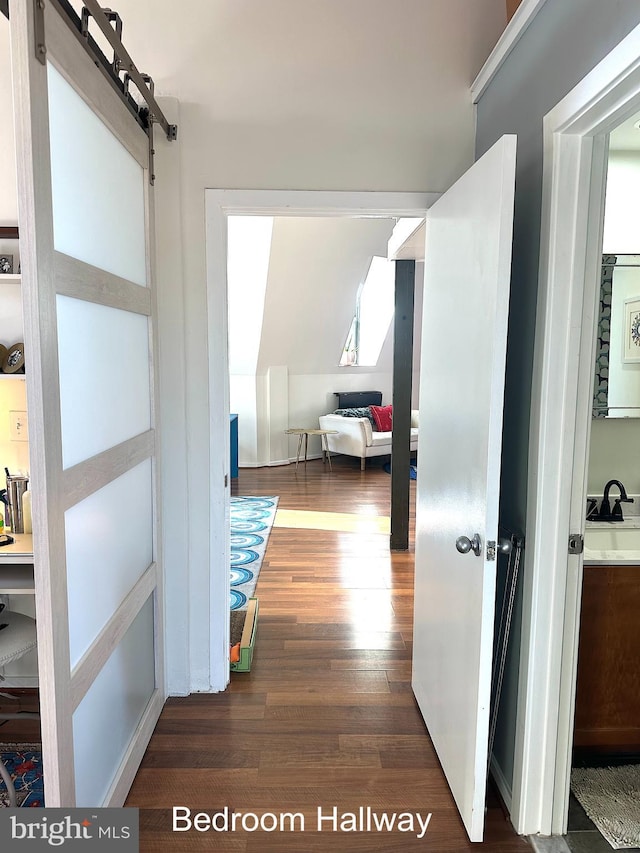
{"type": "Point", "coordinates": [616, 391]}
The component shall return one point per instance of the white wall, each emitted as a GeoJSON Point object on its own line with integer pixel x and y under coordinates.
{"type": "Point", "coordinates": [13, 454]}
{"type": "Point", "coordinates": [613, 455]}
{"type": "Point", "coordinates": [270, 403]}
{"type": "Point", "coordinates": [248, 254]}
{"type": "Point", "coordinates": [182, 634]}
{"type": "Point", "coordinates": [316, 267]}
{"type": "Point", "coordinates": [243, 402]}
{"type": "Point", "coordinates": [622, 206]}
{"type": "Point", "coordinates": [311, 396]}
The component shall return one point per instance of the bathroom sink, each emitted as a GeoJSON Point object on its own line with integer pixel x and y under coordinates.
{"type": "Point", "coordinates": [612, 538]}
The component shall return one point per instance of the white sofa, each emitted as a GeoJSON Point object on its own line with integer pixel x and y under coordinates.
{"type": "Point", "coordinates": [356, 437]}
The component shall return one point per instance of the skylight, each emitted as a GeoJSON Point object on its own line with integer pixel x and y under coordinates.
{"type": "Point", "coordinates": [374, 312]}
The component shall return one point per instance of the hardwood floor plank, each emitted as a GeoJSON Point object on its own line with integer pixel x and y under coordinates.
{"type": "Point", "coordinates": [301, 759]}
{"type": "Point", "coordinates": [230, 712]}
{"type": "Point", "coordinates": [312, 679]}
{"type": "Point", "coordinates": [326, 717]}
{"type": "Point", "coordinates": [335, 699]}
{"type": "Point", "coordinates": [199, 758]}
{"type": "Point", "coordinates": [256, 741]}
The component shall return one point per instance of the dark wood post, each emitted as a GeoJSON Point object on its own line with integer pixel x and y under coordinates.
{"type": "Point", "coordinates": [402, 381]}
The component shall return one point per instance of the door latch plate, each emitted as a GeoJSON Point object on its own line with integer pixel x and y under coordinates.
{"type": "Point", "coordinates": [576, 543]}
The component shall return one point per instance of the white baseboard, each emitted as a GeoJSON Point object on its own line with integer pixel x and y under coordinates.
{"type": "Point", "coordinates": [277, 462]}
{"type": "Point", "coordinates": [501, 783]}
{"type": "Point", "coordinates": [310, 456]}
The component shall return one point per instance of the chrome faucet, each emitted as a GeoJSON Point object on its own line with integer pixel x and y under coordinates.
{"type": "Point", "coordinates": [615, 514]}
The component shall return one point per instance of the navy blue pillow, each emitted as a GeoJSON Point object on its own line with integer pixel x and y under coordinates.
{"type": "Point", "coordinates": [357, 412]}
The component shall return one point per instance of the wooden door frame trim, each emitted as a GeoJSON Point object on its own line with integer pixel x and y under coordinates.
{"type": "Point", "coordinates": [219, 203]}
{"type": "Point", "coordinates": [575, 150]}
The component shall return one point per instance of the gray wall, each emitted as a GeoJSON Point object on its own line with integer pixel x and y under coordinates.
{"type": "Point", "coordinates": [563, 43]}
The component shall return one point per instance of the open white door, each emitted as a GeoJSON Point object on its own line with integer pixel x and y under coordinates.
{"type": "Point", "coordinates": [464, 335]}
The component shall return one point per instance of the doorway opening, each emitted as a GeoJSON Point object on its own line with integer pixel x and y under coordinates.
{"type": "Point", "coordinates": [220, 204]}
{"type": "Point", "coordinates": [606, 736]}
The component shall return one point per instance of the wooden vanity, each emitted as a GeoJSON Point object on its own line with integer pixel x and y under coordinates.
{"type": "Point", "coordinates": [608, 688]}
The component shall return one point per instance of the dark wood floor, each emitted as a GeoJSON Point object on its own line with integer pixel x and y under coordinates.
{"type": "Point", "coordinates": [25, 730]}
{"type": "Point", "coordinates": [326, 717]}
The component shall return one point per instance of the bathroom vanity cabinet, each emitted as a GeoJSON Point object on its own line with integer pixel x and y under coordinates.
{"type": "Point", "coordinates": [608, 689]}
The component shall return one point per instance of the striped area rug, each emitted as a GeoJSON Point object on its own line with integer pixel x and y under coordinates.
{"type": "Point", "coordinates": [251, 523]}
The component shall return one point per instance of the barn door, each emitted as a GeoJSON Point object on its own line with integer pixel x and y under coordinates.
{"type": "Point", "coordinates": [85, 209]}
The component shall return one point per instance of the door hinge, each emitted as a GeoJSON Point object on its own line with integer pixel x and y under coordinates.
{"type": "Point", "coordinates": [38, 25]}
{"type": "Point", "coordinates": [576, 543]}
{"type": "Point", "coordinates": [226, 480]}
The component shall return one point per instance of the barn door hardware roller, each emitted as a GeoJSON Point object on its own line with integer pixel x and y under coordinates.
{"type": "Point", "coordinates": [110, 24]}
{"type": "Point", "coordinates": [120, 70]}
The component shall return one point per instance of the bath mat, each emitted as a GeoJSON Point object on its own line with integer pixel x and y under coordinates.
{"type": "Point", "coordinates": [611, 798]}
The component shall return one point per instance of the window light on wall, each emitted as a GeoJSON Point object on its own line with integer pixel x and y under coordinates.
{"type": "Point", "coordinates": [374, 312]}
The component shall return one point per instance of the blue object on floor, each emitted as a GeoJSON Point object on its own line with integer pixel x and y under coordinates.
{"type": "Point", "coordinates": [413, 471]}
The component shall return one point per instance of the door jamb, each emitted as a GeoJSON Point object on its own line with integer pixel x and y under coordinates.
{"type": "Point", "coordinates": [575, 151]}
{"type": "Point", "coordinates": [219, 204]}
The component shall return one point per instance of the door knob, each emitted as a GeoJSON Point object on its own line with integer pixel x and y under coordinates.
{"type": "Point", "coordinates": [464, 544]}
{"type": "Point", "coordinates": [505, 546]}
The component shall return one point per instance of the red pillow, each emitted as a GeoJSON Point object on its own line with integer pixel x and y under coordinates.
{"type": "Point", "coordinates": [383, 416]}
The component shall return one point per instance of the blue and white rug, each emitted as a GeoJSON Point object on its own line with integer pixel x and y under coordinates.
{"type": "Point", "coordinates": [251, 523]}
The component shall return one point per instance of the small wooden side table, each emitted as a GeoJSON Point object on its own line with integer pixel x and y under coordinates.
{"type": "Point", "coordinates": [303, 438]}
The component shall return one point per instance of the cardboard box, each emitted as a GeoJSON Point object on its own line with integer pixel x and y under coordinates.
{"type": "Point", "coordinates": [248, 638]}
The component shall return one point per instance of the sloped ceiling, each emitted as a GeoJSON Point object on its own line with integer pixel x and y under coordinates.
{"type": "Point", "coordinates": [315, 269]}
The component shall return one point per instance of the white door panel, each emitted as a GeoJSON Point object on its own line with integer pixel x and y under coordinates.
{"type": "Point", "coordinates": [466, 297]}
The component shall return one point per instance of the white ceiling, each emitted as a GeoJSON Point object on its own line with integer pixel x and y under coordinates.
{"type": "Point", "coordinates": [245, 58]}
{"type": "Point", "coordinates": [360, 94]}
